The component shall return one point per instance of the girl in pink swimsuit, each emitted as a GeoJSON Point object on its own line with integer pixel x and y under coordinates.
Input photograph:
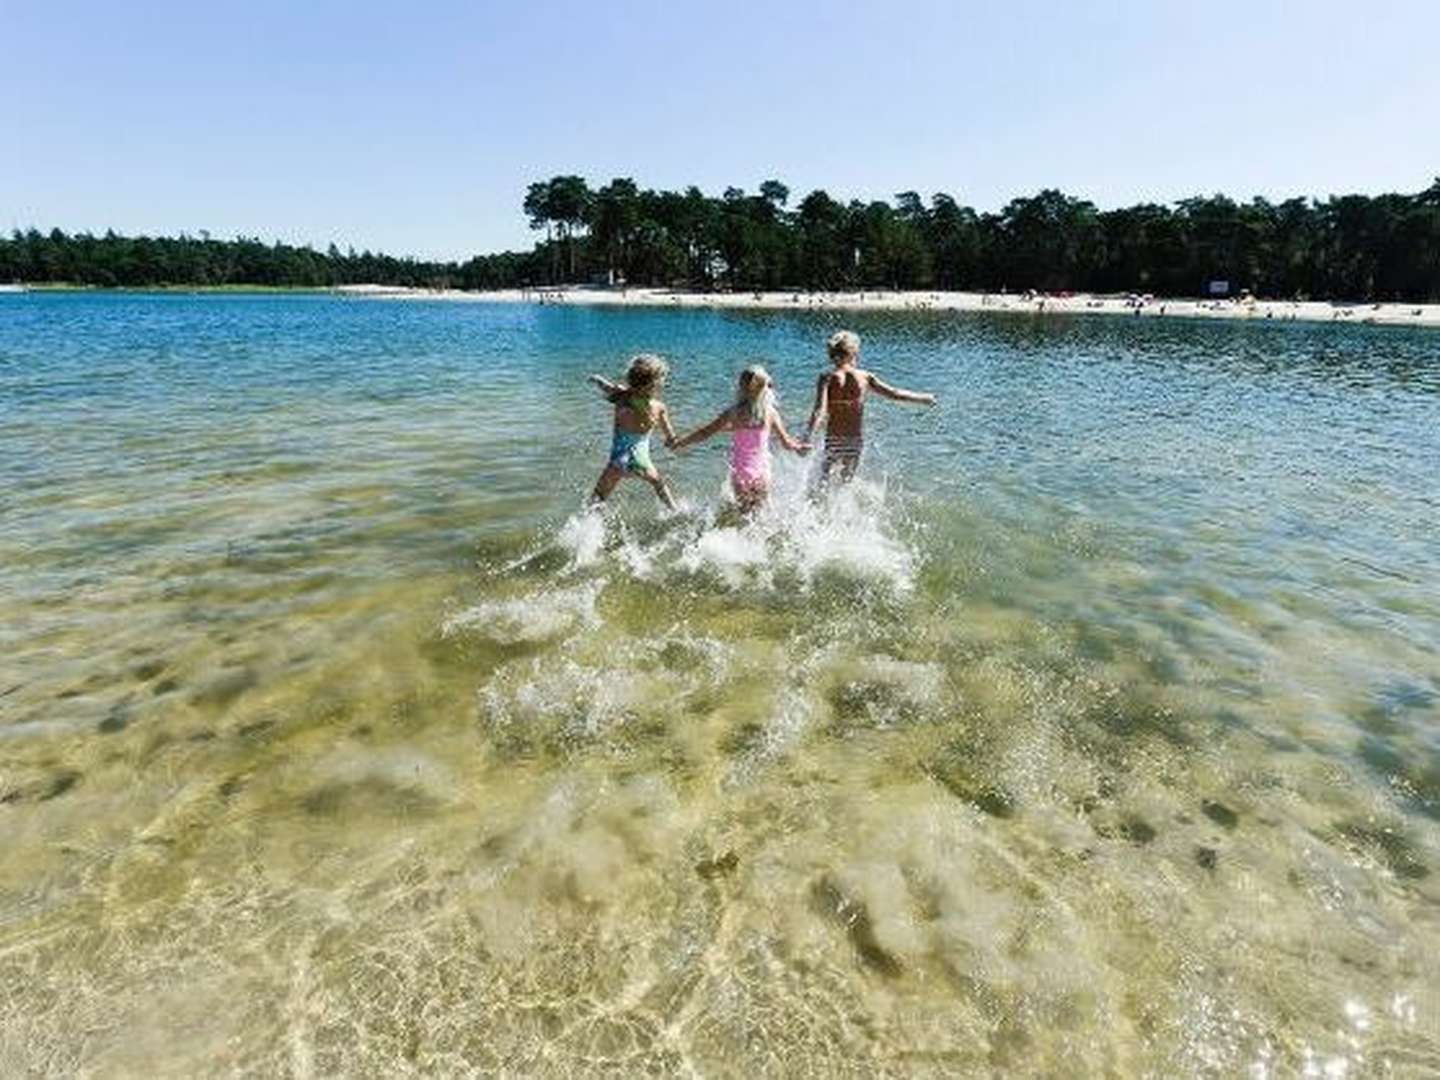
{"type": "Point", "coordinates": [750, 421]}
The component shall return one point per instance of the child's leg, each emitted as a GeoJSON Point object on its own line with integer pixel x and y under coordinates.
{"type": "Point", "coordinates": [820, 482]}
{"type": "Point", "coordinates": [842, 454]}
{"type": "Point", "coordinates": [749, 490]}
{"type": "Point", "coordinates": [827, 462]}
{"type": "Point", "coordinates": [606, 484]}
{"type": "Point", "coordinates": [751, 499]}
{"type": "Point", "coordinates": [655, 480]}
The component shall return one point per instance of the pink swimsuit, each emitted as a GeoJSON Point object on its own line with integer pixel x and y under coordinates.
{"type": "Point", "coordinates": [750, 457]}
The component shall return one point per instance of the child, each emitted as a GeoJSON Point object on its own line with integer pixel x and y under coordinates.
{"type": "Point", "coordinates": [840, 396]}
{"type": "Point", "coordinates": [638, 411]}
{"type": "Point", "coordinates": [750, 420]}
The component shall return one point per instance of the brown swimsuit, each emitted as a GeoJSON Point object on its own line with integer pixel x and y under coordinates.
{"type": "Point", "coordinates": [844, 440]}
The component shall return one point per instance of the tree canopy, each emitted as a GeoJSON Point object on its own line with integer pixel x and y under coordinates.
{"type": "Point", "coordinates": [1352, 247]}
{"type": "Point", "coordinates": [1346, 247]}
{"type": "Point", "coordinates": [143, 261]}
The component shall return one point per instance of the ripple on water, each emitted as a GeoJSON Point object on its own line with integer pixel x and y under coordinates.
{"type": "Point", "coordinates": [1091, 732]}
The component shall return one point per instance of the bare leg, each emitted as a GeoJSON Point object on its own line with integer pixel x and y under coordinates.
{"type": "Point", "coordinates": [750, 498]}
{"type": "Point", "coordinates": [821, 481]}
{"type": "Point", "coordinates": [846, 460]}
{"type": "Point", "coordinates": [662, 489]}
{"type": "Point", "coordinates": [606, 484]}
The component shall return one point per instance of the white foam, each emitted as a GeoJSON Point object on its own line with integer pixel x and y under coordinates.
{"type": "Point", "coordinates": [573, 693]}
{"type": "Point", "coordinates": [545, 694]}
{"type": "Point", "coordinates": [539, 617]}
{"type": "Point", "coordinates": [851, 530]}
{"type": "Point", "coordinates": [738, 555]}
{"type": "Point", "coordinates": [788, 717]}
{"type": "Point", "coordinates": [583, 536]}
{"type": "Point", "coordinates": [920, 683]}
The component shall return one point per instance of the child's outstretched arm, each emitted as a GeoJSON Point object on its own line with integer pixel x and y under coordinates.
{"type": "Point", "coordinates": [719, 424]}
{"type": "Point", "coordinates": [608, 388]}
{"type": "Point", "coordinates": [894, 393]}
{"type": "Point", "coordinates": [795, 446]}
{"type": "Point", "coordinates": [822, 394]}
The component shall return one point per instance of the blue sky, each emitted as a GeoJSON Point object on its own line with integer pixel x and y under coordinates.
{"type": "Point", "coordinates": [414, 128]}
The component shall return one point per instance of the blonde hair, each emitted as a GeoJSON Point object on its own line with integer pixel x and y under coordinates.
{"type": "Point", "coordinates": [843, 343]}
{"type": "Point", "coordinates": [754, 409]}
{"type": "Point", "coordinates": [646, 370]}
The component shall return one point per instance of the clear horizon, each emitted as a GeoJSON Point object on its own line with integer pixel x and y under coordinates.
{"type": "Point", "coordinates": [340, 124]}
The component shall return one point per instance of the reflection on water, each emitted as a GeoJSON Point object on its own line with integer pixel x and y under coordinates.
{"type": "Point", "coordinates": [1095, 730]}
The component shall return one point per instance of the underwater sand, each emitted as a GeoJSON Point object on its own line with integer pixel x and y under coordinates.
{"type": "Point", "coordinates": [1095, 731]}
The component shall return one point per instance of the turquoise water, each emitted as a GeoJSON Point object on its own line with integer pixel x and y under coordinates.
{"type": "Point", "coordinates": [1096, 728]}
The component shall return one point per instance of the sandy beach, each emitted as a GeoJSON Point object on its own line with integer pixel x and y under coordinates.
{"type": "Point", "coordinates": [1386, 314]}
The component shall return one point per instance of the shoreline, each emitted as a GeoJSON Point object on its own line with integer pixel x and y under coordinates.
{"type": "Point", "coordinates": [1381, 314]}
{"type": "Point", "coordinates": [1263, 310]}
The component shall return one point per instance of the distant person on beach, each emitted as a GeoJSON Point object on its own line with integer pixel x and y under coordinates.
{"type": "Point", "coordinates": [840, 399]}
{"type": "Point", "coordinates": [751, 420]}
{"type": "Point", "coordinates": [638, 412]}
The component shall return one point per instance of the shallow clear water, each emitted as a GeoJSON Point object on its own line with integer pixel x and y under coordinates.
{"type": "Point", "coordinates": [1096, 729]}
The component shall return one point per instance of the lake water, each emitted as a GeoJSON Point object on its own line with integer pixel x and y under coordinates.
{"type": "Point", "coordinates": [1094, 730]}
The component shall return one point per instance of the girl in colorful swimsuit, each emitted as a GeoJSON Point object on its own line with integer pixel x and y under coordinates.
{"type": "Point", "coordinates": [750, 421]}
{"type": "Point", "coordinates": [840, 399]}
{"type": "Point", "coordinates": [638, 412]}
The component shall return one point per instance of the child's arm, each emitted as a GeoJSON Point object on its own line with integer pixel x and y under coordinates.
{"type": "Point", "coordinates": [719, 424]}
{"type": "Point", "coordinates": [665, 428]}
{"type": "Point", "coordinates": [608, 388]}
{"type": "Point", "coordinates": [822, 403]}
{"type": "Point", "coordinates": [894, 393]}
{"type": "Point", "coordinates": [778, 425]}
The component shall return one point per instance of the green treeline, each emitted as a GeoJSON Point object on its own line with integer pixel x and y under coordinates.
{"type": "Point", "coordinates": [1350, 247]}
{"type": "Point", "coordinates": [142, 261]}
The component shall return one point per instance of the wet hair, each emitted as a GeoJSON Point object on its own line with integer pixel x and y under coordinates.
{"type": "Point", "coordinates": [843, 343]}
{"type": "Point", "coordinates": [753, 409]}
{"type": "Point", "coordinates": [646, 371]}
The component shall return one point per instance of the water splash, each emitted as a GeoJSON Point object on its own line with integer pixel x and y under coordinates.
{"type": "Point", "coordinates": [540, 616]}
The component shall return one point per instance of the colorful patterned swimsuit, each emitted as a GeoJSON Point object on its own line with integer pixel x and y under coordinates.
{"type": "Point", "coordinates": [630, 450]}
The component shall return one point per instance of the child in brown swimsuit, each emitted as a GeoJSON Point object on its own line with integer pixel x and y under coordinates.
{"type": "Point", "coordinates": [840, 398]}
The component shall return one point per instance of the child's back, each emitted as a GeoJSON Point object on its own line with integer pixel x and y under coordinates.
{"type": "Point", "coordinates": [844, 394]}
{"type": "Point", "coordinates": [840, 397]}
{"type": "Point", "coordinates": [638, 411]}
{"type": "Point", "coordinates": [750, 422]}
